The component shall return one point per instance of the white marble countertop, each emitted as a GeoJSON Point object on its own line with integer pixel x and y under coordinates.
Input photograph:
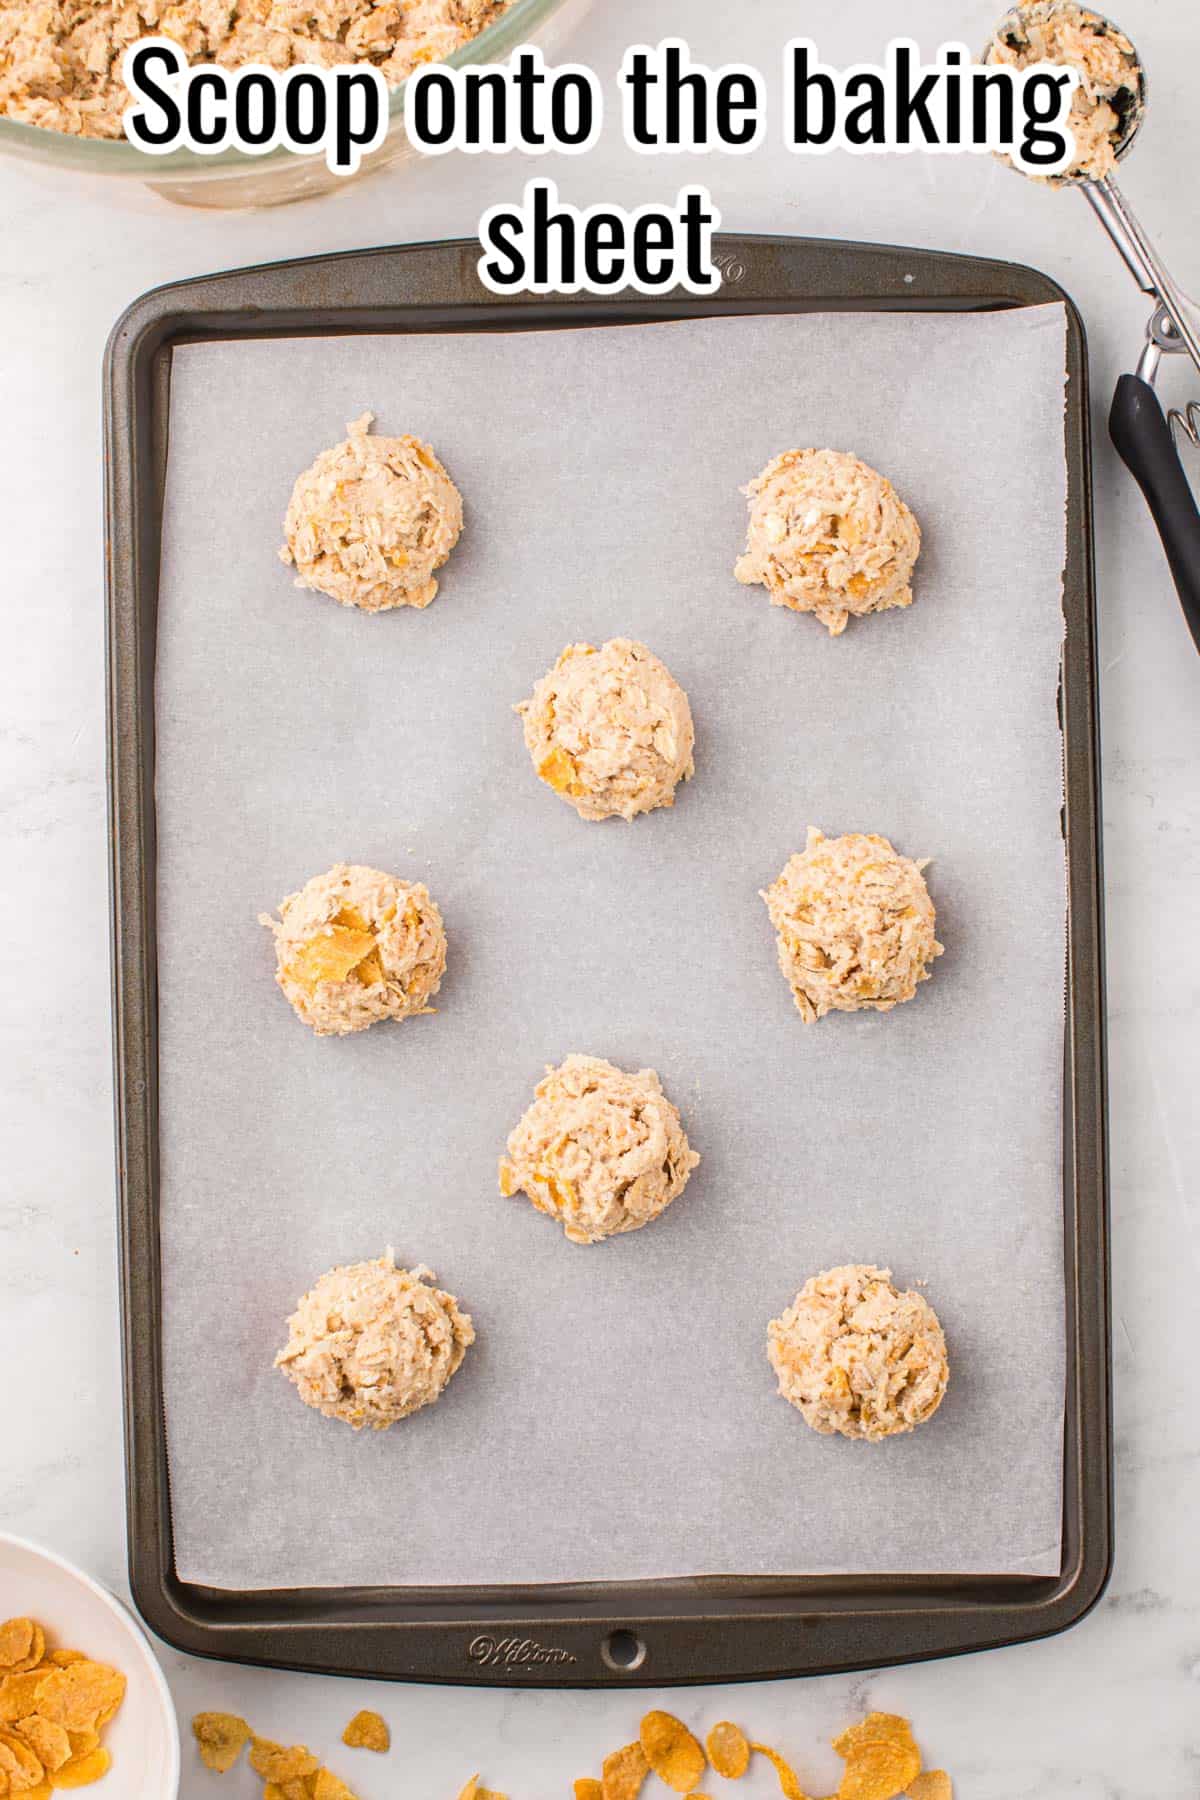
{"type": "Point", "coordinates": [1112, 1709]}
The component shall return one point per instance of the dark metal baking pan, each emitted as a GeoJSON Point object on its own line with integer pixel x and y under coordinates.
{"type": "Point", "coordinates": [651, 1632]}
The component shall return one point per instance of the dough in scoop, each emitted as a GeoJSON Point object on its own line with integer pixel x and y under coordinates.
{"type": "Point", "coordinates": [355, 946]}
{"type": "Point", "coordinates": [371, 520]}
{"type": "Point", "coordinates": [600, 1150]}
{"type": "Point", "coordinates": [1110, 94]}
{"type": "Point", "coordinates": [371, 1343]}
{"type": "Point", "coordinates": [855, 1355]}
{"type": "Point", "coordinates": [828, 535]}
{"type": "Point", "coordinates": [854, 924]}
{"type": "Point", "coordinates": [610, 730]}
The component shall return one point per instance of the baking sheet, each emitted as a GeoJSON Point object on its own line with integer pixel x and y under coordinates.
{"type": "Point", "coordinates": [617, 1417]}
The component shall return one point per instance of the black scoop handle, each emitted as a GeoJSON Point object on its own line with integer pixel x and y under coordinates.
{"type": "Point", "coordinates": [1139, 429]}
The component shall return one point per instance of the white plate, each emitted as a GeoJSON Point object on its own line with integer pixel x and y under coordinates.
{"type": "Point", "coordinates": [78, 1614]}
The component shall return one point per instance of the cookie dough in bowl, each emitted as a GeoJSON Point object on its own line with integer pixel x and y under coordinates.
{"type": "Point", "coordinates": [610, 730]}
{"type": "Point", "coordinates": [854, 924]}
{"type": "Point", "coordinates": [600, 1150]}
{"type": "Point", "coordinates": [371, 521]}
{"type": "Point", "coordinates": [371, 1343]}
{"type": "Point", "coordinates": [856, 1356]}
{"type": "Point", "coordinates": [828, 535]}
{"type": "Point", "coordinates": [355, 946]}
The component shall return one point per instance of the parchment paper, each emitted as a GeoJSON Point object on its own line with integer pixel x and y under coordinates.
{"type": "Point", "coordinates": [617, 1417]}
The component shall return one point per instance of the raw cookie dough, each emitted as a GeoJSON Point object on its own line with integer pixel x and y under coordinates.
{"type": "Point", "coordinates": [371, 520]}
{"type": "Point", "coordinates": [60, 60]}
{"type": "Point", "coordinates": [610, 730]}
{"type": "Point", "coordinates": [1111, 92]}
{"type": "Point", "coordinates": [600, 1150]}
{"type": "Point", "coordinates": [828, 535]}
{"type": "Point", "coordinates": [857, 1356]}
{"type": "Point", "coordinates": [854, 923]}
{"type": "Point", "coordinates": [371, 1343]}
{"type": "Point", "coordinates": [356, 946]}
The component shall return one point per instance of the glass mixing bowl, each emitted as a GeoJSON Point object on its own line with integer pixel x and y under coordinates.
{"type": "Point", "coordinates": [232, 179]}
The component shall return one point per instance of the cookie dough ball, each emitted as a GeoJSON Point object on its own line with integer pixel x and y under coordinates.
{"type": "Point", "coordinates": [610, 730]}
{"type": "Point", "coordinates": [356, 946]}
{"type": "Point", "coordinates": [857, 1356]}
{"type": "Point", "coordinates": [854, 924]}
{"type": "Point", "coordinates": [371, 1343]}
{"type": "Point", "coordinates": [600, 1150]}
{"type": "Point", "coordinates": [371, 520]}
{"type": "Point", "coordinates": [1107, 105]}
{"type": "Point", "coordinates": [828, 535]}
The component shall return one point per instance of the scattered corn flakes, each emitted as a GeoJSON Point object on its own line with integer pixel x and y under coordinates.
{"type": "Point", "coordinates": [881, 1758]}
{"type": "Point", "coordinates": [788, 1780]}
{"type": "Point", "coordinates": [672, 1752]}
{"type": "Point", "coordinates": [281, 1762]}
{"type": "Point", "coordinates": [623, 1773]}
{"type": "Point", "coordinates": [934, 1784]}
{"type": "Point", "coordinates": [473, 1791]}
{"type": "Point", "coordinates": [81, 1771]}
{"type": "Point", "coordinates": [728, 1749]}
{"type": "Point", "coordinates": [367, 1731]}
{"type": "Point", "coordinates": [588, 1788]}
{"type": "Point", "coordinates": [221, 1738]}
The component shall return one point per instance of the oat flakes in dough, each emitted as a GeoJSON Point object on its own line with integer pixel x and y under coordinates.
{"type": "Point", "coordinates": [610, 730]}
{"type": "Point", "coordinates": [600, 1150]}
{"type": "Point", "coordinates": [828, 535]}
{"type": "Point", "coordinates": [371, 1343]}
{"type": "Point", "coordinates": [355, 946]}
{"type": "Point", "coordinates": [60, 60]}
{"type": "Point", "coordinates": [855, 1355]}
{"type": "Point", "coordinates": [371, 520]}
{"type": "Point", "coordinates": [854, 924]}
{"type": "Point", "coordinates": [1109, 93]}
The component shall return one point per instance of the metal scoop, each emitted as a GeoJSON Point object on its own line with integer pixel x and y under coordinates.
{"type": "Point", "coordinates": [1146, 439]}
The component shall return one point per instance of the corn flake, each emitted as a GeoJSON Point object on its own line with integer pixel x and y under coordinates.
{"type": "Point", "coordinates": [881, 1758]}
{"type": "Point", "coordinates": [728, 1749]}
{"type": "Point", "coordinates": [289, 1790]}
{"type": "Point", "coordinates": [281, 1763]}
{"type": "Point", "coordinates": [367, 1731]}
{"type": "Point", "coordinates": [934, 1784]}
{"type": "Point", "coordinates": [672, 1752]}
{"type": "Point", "coordinates": [329, 1786]}
{"type": "Point", "coordinates": [49, 1742]}
{"type": "Point", "coordinates": [221, 1737]}
{"type": "Point", "coordinates": [22, 1645]}
{"type": "Point", "coordinates": [588, 1788]}
{"type": "Point", "coordinates": [332, 955]}
{"type": "Point", "coordinates": [81, 1771]}
{"type": "Point", "coordinates": [18, 1695]}
{"type": "Point", "coordinates": [788, 1780]}
{"type": "Point", "coordinates": [19, 1762]}
{"type": "Point", "coordinates": [623, 1773]}
{"type": "Point", "coordinates": [82, 1695]}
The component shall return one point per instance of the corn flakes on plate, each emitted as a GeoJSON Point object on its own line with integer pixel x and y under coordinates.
{"type": "Point", "coordinates": [101, 1660]}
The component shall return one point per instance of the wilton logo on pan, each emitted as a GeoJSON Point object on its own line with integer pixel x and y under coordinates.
{"type": "Point", "coordinates": [489, 1652]}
